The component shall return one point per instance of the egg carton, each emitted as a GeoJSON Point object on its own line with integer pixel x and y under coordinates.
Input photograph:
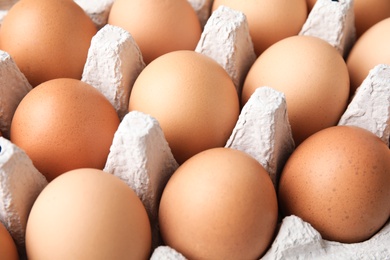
{"type": "Point", "coordinates": [140, 155]}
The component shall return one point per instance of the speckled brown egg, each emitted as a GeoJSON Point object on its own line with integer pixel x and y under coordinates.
{"type": "Point", "coordinates": [313, 76]}
{"type": "Point", "coordinates": [219, 204]}
{"type": "Point", "coordinates": [64, 124]}
{"type": "Point", "coordinates": [192, 97]}
{"type": "Point", "coordinates": [47, 39]}
{"type": "Point", "coordinates": [269, 21]}
{"type": "Point", "coordinates": [338, 180]}
{"type": "Point", "coordinates": [158, 26]}
{"type": "Point", "coordinates": [88, 214]}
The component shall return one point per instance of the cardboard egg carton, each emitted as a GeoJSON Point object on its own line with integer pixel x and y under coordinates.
{"type": "Point", "coordinates": [140, 155]}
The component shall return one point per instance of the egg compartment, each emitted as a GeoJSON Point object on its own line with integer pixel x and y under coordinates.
{"type": "Point", "coordinates": [140, 155]}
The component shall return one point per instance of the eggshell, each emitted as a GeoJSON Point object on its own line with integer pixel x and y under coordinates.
{"type": "Point", "coordinates": [219, 204]}
{"type": "Point", "coordinates": [371, 49]}
{"type": "Point", "coordinates": [313, 77]}
{"type": "Point", "coordinates": [7, 245]}
{"type": "Point", "coordinates": [284, 17]}
{"type": "Point", "coordinates": [369, 13]}
{"type": "Point", "coordinates": [88, 214]}
{"type": "Point", "coordinates": [157, 26]}
{"type": "Point", "coordinates": [192, 97]}
{"type": "Point", "coordinates": [64, 124]}
{"type": "Point", "coordinates": [47, 39]}
{"type": "Point", "coordinates": [338, 181]}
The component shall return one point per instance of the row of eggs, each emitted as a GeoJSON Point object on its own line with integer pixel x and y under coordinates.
{"type": "Point", "coordinates": [173, 70]}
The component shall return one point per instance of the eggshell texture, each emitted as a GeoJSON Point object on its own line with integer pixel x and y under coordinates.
{"type": "Point", "coordinates": [64, 124]}
{"type": "Point", "coordinates": [192, 97]}
{"type": "Point", "coordinates": [8, 249]}
{"type": "Point", "coordinates": [269, 21]}
{"type": "Point", "coordinates": [47, 39]}
{"type": "Point", "coordinates": [158, 26]}
{"type": "Point", "coordinates": [88, 214]}
{"type": "Point", "coordinates": [367, 13]}
{"type": "Point", "coordinates": [338, 180]}
{"type": "Point", "coordinates": [313, 77]}
{"type": "Point", "coordinates": [371, 49]}
{"type": "Point", "coordinates": [220, 204]}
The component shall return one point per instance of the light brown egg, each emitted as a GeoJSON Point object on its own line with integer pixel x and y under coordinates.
{"type": "Point", "coordinates": [88, 214]}
{"type": "Point", "coordinates": [8, 249]}
{"type": "Point", "coordinates": [313, 77]}
{"type": "Point", "coordinates": [367, 13]}
{"type": "Point", "coordinates": [219, 204]}
{"type": "Point", "coordinates": [47, 39]}
{"type": "Point", "coordinates": [370, 50]}
{"type": "Point", "coordinates": [158, 26]}
{"type": "Point", "coordinates": [192, 97]}
{"type": "Point", "coordinates": [64, 124]}
{"type": "Point", "coordinates": [269, 21]}
{"type": "Point", "coordinates": [338, 180]}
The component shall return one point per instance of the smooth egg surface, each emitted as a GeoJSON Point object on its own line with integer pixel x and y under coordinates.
{"type": "Point", "coordinates": [47, 39]}
{"type": "Point", "coordinates": [88, 214]}
{"type": "Point", "coordinates": [313, 76]}
{"type": "Point", "coordinates": [219, 204]}
{"type": "Point", "coordinates": [370, 50]}
{"type": "Point", "coordinates": [192, 97]}
{"type": "Point", "coordinates": [158, 26]}
{"type": "Point", "coordinates": [64, 124]}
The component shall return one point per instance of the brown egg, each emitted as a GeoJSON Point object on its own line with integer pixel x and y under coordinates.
{"type": "Point", "coordinates": [313, 77]}
{"type": "Point", "coordinates": [47, 39]}
{"type": "Point", "coordinates": [192, 97]}
{"type": "Point", "coordinates": [220, 204]}
{"type": "Point", "coordinates": [269, 21]}
{"type": "Point", "coordinates": [338, 180]}
{"type": "Point", "coordinates": [370, 50]}
{"type": "Point", "coordinates": [88, 214]}
{"type": "Point", "coordinates": [310, 4]}
{"type": "Point", "coordinates": [64, 124]}
{"type": "Point", "coordinates": [8, 249]}
{"type": "Point", "coordinates": [367, 13]}
{"type": "Point", "coordinates": [158, 27]}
